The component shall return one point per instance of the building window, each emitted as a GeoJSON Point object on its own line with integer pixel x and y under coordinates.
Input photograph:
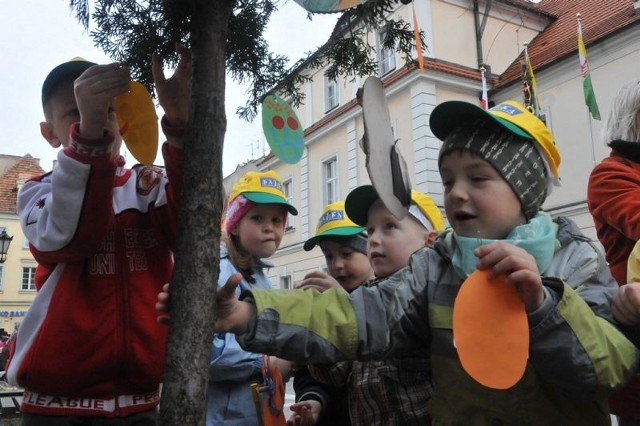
{"type": "Point", "coordinates": [1, 277]}
{"type": "Point", "coordinates": [330, 179]}
{"type": "Point", "coordinates": [331, 94]}
{"type": "Point", "coordinates": [287, 188]}
{"type": "Point", "coordinates": [286, 282]}
{"type": "Point", "coordinates": [386, 57]}
{"type": "Point", "coordinates": [28, 279]}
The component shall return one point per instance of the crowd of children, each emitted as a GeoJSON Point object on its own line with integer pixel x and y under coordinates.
{"type": "Point", "coordinates": [497, 168]}
{"type": "Point", "coordinates": [376, 344]}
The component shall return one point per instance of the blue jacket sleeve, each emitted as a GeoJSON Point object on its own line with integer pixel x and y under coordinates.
{"type": "Point", "coordinates": [228, 360]}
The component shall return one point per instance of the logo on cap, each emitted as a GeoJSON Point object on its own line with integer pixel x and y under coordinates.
{"type": "Point", "coordinates": [507, 109]}
{"type": "Point", "coordinates": [330, 216]}
{"type": "Point", "coordinates": [270, 183]}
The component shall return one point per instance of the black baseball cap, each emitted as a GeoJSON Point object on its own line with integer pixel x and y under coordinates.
{"type": "Point", "coordinates": [67, 71]}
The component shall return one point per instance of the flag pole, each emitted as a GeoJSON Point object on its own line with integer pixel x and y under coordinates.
{"type": "Point", "coordinates": [589, 96]}
{"type": "Point", "coordinates": [593, 148]}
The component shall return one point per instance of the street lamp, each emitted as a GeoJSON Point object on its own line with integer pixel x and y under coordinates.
{"type": "Point", "coordinates": [5, 240]}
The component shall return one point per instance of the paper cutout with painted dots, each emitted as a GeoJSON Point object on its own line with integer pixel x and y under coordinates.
{"type": "Point", "coordinates": [282, 129]}
{"type": "Point", "coordinates": [324, 6]}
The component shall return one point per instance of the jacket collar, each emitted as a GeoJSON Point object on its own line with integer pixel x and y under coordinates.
{"type": "Point", "coordinates": [626, 149]}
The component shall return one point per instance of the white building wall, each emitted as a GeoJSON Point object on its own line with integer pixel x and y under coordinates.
{"type": "Point", "coordinates": [412, 98]}
{"type": "Point", "coordinates": [612, 64]}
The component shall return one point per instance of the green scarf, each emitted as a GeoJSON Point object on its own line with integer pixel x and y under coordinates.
{"type": "Point", "coordinates": [537, 237]}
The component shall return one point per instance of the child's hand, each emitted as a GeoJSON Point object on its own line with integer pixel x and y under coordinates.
{"type": "Point", "coordinates": [285, 367]}
{"type": "Point", "coordinates": [318, 280]}
{"type": "Point", "coordinates": [232, 314]}
{"type": "Point", "coordinates": [174, 93]}
{"type": "Point", "coordinates": [626, 304]}
{"type": "Point", "coordinates": [305, 413]}
{"type": "Point", "coordinates": [95, 91]}
{"type": "Point", "coordinates": [431, 237]}
{"type": "Point", "coordinates": [162, 305]}
{"type": "Point", "coordinates": [519, 267]}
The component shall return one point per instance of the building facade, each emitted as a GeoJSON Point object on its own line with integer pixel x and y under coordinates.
{"type": "Point", "coordinates": [17, 273]}
{"type": "Point", "coordinates": [461, 36]}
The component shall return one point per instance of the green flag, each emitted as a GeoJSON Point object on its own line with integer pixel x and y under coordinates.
{"type": "Point", "coordinates": [589, 95]}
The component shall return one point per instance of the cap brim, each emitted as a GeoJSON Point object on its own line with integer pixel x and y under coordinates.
{"type": "Point", "coordinates": [264, 198]}
{"type": "Point", "coordinates": [344, 231]}
{"type": "Point", "coordinates": [452, 114]}
{"type": "Point", "coordinates": [358, 202]}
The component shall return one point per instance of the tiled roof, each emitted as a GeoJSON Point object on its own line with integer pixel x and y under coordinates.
{"type": "Point", "coordinates": [600, 19]}
{"type": "Point", "coordinates": [527, 5]}
{"type": "Point", "coordinates": [20, 168]}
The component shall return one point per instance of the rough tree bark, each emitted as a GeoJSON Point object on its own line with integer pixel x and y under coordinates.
{"type": "Point", "coordinates": [197, 255]}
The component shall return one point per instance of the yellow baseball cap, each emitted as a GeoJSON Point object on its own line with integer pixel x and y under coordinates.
{"type": "Point", "coordinates": [261, 188]}
{"type": "Point", "coordinates": [359, 202]}
{"type": "Point", "coordinates": [428, 207]}
{"type": "Point", "coordinates": [510, 114]}
{"type": "Point", "coordinates": [333, 222]}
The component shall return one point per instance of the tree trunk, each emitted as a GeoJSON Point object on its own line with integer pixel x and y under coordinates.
{"type": "Point", "coordinates": [197, 255]}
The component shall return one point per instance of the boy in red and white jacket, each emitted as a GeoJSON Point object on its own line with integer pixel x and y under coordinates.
{"type": "Point", "coordinates": [103, 236]}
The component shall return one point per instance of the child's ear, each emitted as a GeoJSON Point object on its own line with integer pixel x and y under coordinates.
{"type": "Point", "coordinates": [47, 132]}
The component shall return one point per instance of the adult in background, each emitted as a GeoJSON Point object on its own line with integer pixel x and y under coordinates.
{"type": "Point", "coordinates": [614, 201]}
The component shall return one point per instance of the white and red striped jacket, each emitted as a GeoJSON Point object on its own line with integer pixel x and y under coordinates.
{"type": "Point", "coordinates": [102, 236]}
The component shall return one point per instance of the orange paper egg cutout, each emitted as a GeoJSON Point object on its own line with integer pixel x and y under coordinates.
{"type": "Point", "coordinates": [491, 330]}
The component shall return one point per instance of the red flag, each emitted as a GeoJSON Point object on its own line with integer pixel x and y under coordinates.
{"type": "Point", "coordinates": [416, 34]}
{"type": "Point", "coordinates": [485, 96]}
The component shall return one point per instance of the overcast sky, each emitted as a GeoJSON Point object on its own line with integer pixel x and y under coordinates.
{"type": "Point", "coordinates": [37, 35]}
